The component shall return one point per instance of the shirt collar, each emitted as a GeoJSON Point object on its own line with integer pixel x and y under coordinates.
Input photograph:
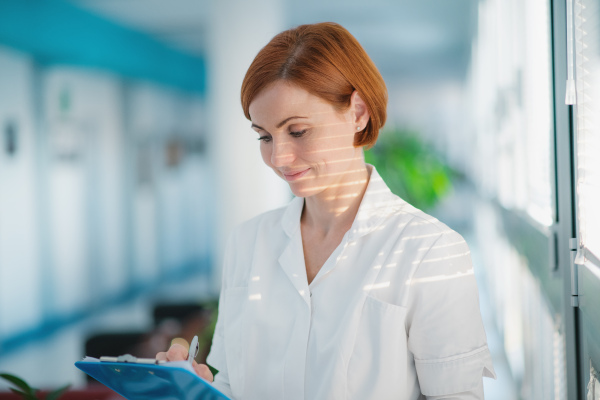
{"type": "Point", "coordinates": [377, 203]}
{"type": "Point", "coordinates": [291, 216]}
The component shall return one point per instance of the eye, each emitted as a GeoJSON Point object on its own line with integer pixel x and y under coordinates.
{"type": "Point", "coordinates": [298, 133]}
{"type": "Point", "coordinates": [265, 139]}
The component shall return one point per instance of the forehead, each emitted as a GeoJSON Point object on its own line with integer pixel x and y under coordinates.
{"type": "Point", "coordinates": [281, 100]}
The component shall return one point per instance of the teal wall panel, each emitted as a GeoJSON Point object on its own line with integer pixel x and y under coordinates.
{"type": "Point", "coordinates": [57, 32]}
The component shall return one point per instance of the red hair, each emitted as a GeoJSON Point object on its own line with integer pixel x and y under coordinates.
{"type": "Point", "coordinates": [327, 61]}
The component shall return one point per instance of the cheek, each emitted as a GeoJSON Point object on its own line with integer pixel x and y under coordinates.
{"type": "Point", "coordinates": [340, 143]}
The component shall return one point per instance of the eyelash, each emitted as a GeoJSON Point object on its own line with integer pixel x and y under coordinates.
{"type": "Point", "coordinates": [298, 134]}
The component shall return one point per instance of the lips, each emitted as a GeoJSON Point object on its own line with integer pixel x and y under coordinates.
{"type": "Point", "coordinates": [294, 175]}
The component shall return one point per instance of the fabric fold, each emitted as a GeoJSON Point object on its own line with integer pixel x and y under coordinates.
{"type": "Point", "coordinates": [454, 374]}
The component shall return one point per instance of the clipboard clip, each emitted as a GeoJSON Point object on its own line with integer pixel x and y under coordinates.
{"type": "Point", "coordinates": [128, 358]}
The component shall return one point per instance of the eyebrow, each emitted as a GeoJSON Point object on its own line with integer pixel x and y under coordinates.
{"type": "Point", "coordinates": [279, 125]}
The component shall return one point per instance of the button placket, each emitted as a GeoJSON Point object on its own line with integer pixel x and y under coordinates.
{"type": "Point", "coordinates": [295, 363]}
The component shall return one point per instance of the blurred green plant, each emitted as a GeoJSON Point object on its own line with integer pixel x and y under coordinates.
{"type": "Point", "coordinates": [29, 393]}
{"type": "Point", "coordinates": [205, 337]}
{"type": "Point", "coordinates": [411, 168]}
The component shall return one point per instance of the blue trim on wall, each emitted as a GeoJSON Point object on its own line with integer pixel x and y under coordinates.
{"type": "Point", "coordinates": [57, 32]}
{"type": "Point", "coordinates": [54, 323]}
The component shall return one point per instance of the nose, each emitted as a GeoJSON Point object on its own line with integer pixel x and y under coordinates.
{"type": "Point", "coordinates": [282, 153]}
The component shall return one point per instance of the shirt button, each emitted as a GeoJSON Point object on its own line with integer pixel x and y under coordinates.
{"type": "Point", "coordinates": [310, 294]}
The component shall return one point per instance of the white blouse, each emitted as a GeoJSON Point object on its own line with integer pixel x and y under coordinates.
{"type": "Point", "coordinates": [392, 314]}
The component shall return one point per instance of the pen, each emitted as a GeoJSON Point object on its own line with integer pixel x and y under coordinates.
{"type": "Point", "coordinates": [193, 352]}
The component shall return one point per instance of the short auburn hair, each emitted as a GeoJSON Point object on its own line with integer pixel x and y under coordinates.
{"type": "Point", "coordinates": [327, 61]}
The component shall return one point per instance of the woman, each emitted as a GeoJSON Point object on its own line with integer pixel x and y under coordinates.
{"type": "Point", "coordinates": [348, 292]}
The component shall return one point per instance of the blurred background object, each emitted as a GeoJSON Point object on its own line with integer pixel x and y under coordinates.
{"type": "Point", "coordinates": [125, 161]}
{"type": "Point", "coordinates": [411, 168]}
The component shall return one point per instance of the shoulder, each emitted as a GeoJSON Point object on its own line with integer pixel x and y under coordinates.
{"type": "Point", "coordinates": [388, 212]}
{"type": "Point", "coordinates": [414, 225]}
{"type": "Point", "coordinates": [428, 224]}
{"type": "Point", "coordinates": [442, 250]}
{"type": "Point", "coordinates": [426, 247]}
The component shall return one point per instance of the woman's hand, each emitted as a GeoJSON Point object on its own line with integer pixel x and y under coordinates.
{"type": "Point", "coordinates": [179, 353]}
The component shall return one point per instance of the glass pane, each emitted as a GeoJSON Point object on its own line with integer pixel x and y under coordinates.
{"type": "Point", "coordinates": [512, 81]}
{"type": "Point", "coordinates": [537, 103]}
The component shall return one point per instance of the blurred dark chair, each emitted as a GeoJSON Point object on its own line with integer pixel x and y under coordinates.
{"type": "Point", "coordinates": [113, 344]}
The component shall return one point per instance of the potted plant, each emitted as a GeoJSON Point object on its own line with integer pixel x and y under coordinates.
{"type": "Point", "coordinates": [411, 168]}
{"type": "Point", "coordinates": [27, 392]}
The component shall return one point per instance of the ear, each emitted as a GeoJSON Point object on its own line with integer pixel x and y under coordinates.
{"type": "Point", "coordinates": [360, 109]}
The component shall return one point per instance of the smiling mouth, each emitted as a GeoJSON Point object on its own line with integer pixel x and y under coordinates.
{"type": "Point", "coordinates": [295, 175]}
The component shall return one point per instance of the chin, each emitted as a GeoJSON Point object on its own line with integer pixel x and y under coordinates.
{"type": "Point", "coordinates": [299, 191]}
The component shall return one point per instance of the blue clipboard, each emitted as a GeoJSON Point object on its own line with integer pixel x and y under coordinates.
{"type": "Point", "coordinates": [171, 381]}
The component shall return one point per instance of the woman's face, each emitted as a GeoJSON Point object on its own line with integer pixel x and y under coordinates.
{"type": "Point", "coordinates": [305, 140]}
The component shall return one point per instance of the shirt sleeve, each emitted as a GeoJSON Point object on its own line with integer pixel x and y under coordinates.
{"type": "Point", "coordinates": [216, 357]}
{"type": "Point", "coordinates": [446, 334]}
{"type": "Point", "coordinates": [475, 394]}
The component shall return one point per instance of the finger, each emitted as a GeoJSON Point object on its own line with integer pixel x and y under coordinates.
{"type": "Point", "coordinates": [162, 356]}
{"type": "Point", "coordinates": [177, 353]}
{"type": "Point", "coordinates": [203, 371]}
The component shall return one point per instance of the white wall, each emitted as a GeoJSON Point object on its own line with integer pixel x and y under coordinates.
{"type": "Point", "coordinates": [20, 279]}
{"type": "Point", "coordinates": [244, 186]}
{"type": "Point", "coordinates": [83, 172]}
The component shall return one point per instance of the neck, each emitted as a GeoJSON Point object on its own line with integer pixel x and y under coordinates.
{"type": "Point", "coordinates": [336, 208]}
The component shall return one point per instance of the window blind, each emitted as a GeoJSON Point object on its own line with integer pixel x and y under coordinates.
{"type": "Point", "coordinates": [587, 69]}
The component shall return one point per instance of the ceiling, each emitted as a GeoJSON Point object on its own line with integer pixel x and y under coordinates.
{"type": "Point", "coordinates": [414, 40]}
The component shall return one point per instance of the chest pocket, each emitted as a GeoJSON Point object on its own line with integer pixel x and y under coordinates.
{"type": "Point", "coordinates": [378, 364]}
{"type": "Point", "coordinates": [235, 300]}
